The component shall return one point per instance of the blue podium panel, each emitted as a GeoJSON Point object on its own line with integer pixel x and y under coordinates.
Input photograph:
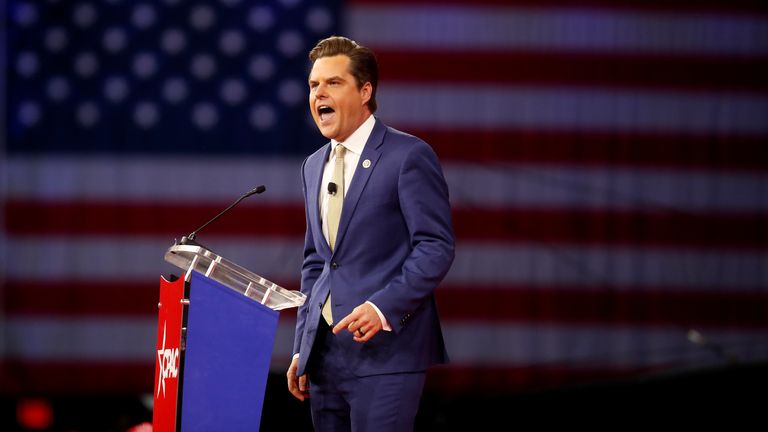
{"type": "Point", "coordinates": [228, 350]}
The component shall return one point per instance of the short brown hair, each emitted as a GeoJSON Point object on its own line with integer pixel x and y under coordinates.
{"type": "Point", "coordinates": [362, 61]}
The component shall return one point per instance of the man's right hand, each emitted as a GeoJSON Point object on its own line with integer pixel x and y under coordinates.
{"type": "Point", "coordinates": [298, 386]}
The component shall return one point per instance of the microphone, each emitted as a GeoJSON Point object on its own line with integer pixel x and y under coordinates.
{"type": "Point", "coordinates": [332, 188]}
{"type": "Point", "coordinates": [190, 239]}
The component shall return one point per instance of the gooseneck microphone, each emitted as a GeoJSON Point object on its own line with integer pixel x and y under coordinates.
{"type": "Point", "coordinates": [332, 188]}
{"type": "Point", "coordinates": [190, 239]}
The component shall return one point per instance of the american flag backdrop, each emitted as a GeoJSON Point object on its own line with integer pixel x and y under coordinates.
{"type": "Point", "coordinates": [607, 165]}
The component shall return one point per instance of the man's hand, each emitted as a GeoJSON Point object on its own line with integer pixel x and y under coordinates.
{"type": "Point", "coordinates": [363, 323]}
{"type": "Point", "coordinates": [298, 386]}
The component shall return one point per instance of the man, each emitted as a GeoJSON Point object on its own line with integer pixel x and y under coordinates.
{"type": "Point", "coordinates": [379, 240]}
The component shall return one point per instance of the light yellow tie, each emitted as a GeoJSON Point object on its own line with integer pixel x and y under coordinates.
{"type": "Point", "coordinates": [335, 202]}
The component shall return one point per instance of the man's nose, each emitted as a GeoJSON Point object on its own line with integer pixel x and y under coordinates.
{"type": "Point", "coordinates": [321, 91]}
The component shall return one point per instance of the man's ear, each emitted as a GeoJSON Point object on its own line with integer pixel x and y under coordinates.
{"type": "Point", "coordinates": [365, 92]}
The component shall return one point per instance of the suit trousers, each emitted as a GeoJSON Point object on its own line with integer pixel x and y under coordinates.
{"type": "Point", "coordinates": [342, 401]}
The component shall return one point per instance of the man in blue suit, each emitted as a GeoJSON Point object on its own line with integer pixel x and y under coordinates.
{"type": "Point", "coordinates": [379, 240]}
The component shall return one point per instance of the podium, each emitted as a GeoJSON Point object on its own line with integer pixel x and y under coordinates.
{"type": "Point", "coordinates": [215, 334]}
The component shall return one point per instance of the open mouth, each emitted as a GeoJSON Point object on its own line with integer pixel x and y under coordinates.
{"type": "Point", "coordinates": [325, 113]}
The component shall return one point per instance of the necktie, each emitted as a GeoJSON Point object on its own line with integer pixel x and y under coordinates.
{"type": "Point", "coordinates": [335, 202]}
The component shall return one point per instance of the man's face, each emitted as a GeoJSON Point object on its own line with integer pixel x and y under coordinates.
{"type": "Point", "coordinates": [337, 105]}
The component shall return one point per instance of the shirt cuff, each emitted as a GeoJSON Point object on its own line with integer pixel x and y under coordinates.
{"type": "Point", "coordinates": [295, 356]}
{"type": "Point", "coordinates": [384, 323]}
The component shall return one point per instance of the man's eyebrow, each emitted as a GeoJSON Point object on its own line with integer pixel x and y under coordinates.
{"type": "Point", "coordinates": [335, 77]}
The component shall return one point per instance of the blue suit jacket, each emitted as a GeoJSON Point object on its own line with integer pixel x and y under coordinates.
{"type": "Point", "coordinates": [394, 246]}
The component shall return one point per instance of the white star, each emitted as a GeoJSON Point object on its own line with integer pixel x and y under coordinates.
{"type": "Point", "coordinates": [160, 378]}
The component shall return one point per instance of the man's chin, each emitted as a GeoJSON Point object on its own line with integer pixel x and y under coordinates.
{"type": "Point", "coordinates": [327, 132]}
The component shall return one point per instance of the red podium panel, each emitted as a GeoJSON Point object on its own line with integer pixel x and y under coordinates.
{"type": "Point", "coordinates": [168, 351]}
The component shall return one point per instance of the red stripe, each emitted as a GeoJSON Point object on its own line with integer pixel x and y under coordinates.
{"type": "Point", "coordinates": [503, 380]}
{"type": "Point", "coordinates": [502, 304]}
{"type": "Point", "coordinates": [142, 218]}
{"type": "Point", "coordinates": [713, 152]}
{"type": "Point", "coordinates": [102, 298]}
{"type": "Point", "coordinates": [505, 224]}
{"type": "Point", "coordinates": [83, 378]}
{"type": "Point", "coordinates": [612, 227]}
{"type": "Point", "coordinates": [750, 7]}
{"type": "Point", "coordinates": [533, 68]}
{"type": "Point", "coordinates": [606, 305]}
{"type": "Point", "coordinates": [109, 378]}
{"type": "Point", "coordinates": [69, 378]}
{"type": "Point", "coordinates": [98, 298]}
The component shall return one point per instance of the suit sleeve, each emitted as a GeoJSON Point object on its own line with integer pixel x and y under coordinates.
{"type": "Point", "coordinates": [423, 197]}
{"type": "Point", "coordinates": [311, 268]}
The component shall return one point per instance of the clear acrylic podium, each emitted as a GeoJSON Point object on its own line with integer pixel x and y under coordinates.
{"type": "Point", "coordinates": [216, 330]}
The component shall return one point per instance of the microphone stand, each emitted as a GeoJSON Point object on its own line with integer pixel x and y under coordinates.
{"type": "Point", "coordinates": [189, 239]}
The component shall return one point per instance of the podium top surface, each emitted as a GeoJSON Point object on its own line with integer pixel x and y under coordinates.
{"type": "Point", "coordinates": [231, 275]}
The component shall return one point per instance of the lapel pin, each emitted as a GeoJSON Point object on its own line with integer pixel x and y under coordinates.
{"type": "Point", "coordinates": [367, 163]}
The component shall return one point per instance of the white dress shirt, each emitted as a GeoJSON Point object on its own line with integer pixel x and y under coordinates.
{"type": "Point", "coordinates": [355, 145]}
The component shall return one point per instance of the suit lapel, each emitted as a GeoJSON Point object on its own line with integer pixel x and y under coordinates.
{"type": "Point", "coordinates": [314, 174]}
{"type": "Point", "coordinates": [362, 174]}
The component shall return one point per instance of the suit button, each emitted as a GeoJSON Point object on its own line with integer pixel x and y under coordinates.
{"type": "Point", "coordinates": [334, 265]}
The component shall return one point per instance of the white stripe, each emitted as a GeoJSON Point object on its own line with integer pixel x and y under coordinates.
{"type": "Point", "coordinates": [139, 259]}
{"type": "Point", "coordinates": [147, 180]}
{"type": "Point", "coordinates": [586, 346]}
{"type": "Point", "coordinates": [451, 106]}
{"type": "Point", "coordinates": [125, 179]}
{"type": "Point", "coordinates": [618, 267]}
{"type": "Point", "coordinates": [468, 344]}
{"type": "Point", "coordinates": [41, 258]}
{"type": "Point", "coordinates": [102, 339]}
{"type": "Point", "coordinates": [567, 187]}
{"type": "Point", "coordinates": [451, 28]}
{"type": "Point", "coordinates": [123, 339]}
